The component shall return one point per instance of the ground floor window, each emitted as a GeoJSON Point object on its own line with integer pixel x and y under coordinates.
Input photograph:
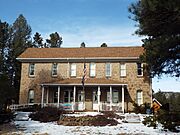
{"type": "Point", "coordinates": [95, 96]}
{"type": "Point", "coordinates": [115, 96]}
{"type": "Point", "coordinates": [31, 96]}
{"type": "Point", "coordinates": [68, 96]}
{"type": "Point", "coordinates": [80, 96]}
{"type": "Point", "coordinates": [139, 97]}
{"type": "Point", "coordinates": [55, 96]}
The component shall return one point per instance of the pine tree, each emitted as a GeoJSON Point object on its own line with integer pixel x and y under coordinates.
{"type": "Point", "coordinates": [37, 43]}
{"type": "Point", "coordinates": [158, 21]}
{"type": "Point", "coordinates": [19, 40]}
{"type": "Point", "coordinates": [54, 41]}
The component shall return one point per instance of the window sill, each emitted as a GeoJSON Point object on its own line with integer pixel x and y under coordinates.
{"type": "Point", "coordinates": [139, 76]}
{"type": "Point", "coordinates": [31, 76]}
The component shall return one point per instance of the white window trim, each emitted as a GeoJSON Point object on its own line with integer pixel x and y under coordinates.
{"type": "Point", "coordinates": [110, 70]}
{"type": "Point", "coordinates": [121, 70]}
{"type": "Point", "coordinates": [113, 92]}
{"type": "Point", "coordinates": [90, 70]}
{"type": "Point", "coordinates": [29, 96]}
{"type": "Point", "coordinates": [30, 69]}
{"type": "Point", "coordinates": [141, 101]}
{"type": "Point", "coordinates": [52, 70]}
{"type": "Point", "coordinates": [71, 71]}
{"type": "Point", "coordinates": [141, 69]}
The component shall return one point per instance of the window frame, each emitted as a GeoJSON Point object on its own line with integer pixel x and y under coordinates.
{"type": "Point", "coordinates": [30, 99]}
{"type": "Point", "coordinates": [31, 69]}
{"type": "Point", "coordinates": [139, 99]}
{"type": "Point", "coordinates": [92, 70]}
{"type": "Point", "coordinates": [108, 70]}
{"type": "Point", "coordinates": [73, 71]}
{"type": "Point", "coordinates": [113, 95]}
{"type": "Point", "coordinates": [123, 70]}
{"type": "Point", "coordinates": [54, 68]}
{"type": "Point", "coordinates": [140, 68]}
{"type": "Point", "coordinates": [69, 96]}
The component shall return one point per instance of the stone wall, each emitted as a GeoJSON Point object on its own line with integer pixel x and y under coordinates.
{"type": "Point", "coordinates": [43, 74]}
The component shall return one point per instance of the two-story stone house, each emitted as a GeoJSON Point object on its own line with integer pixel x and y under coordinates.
{"type": "Point", "coordinates": [114, 77]}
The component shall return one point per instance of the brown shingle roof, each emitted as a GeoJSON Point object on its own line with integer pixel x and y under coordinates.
{"type": "Point", "coordinates": [89, 81]}
{"type": "Point", "coordinates": [89, 52]}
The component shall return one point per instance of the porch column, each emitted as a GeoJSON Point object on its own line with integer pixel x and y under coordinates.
{"type": "Point", "coordinates": [42, 97]}
{"type": "Point", "coordinates": [74, 99]}
{"type": "Point", "coordinates": [47, 96]}
{"type": "Point", "coordinates": [110, 98]}
{"type": "Point", "coordinates": [59, 89]}
{"type": "Point", "coordinates": [123, 99]}
{"type": "Point", "coordinates": [98, 98]}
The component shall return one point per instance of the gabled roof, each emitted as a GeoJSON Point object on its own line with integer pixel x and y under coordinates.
{"type": "Point", "coordinates": [88, 52]}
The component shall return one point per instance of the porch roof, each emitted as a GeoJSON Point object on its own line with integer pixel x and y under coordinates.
{"type": "Point", "coordinates": [89, 81]}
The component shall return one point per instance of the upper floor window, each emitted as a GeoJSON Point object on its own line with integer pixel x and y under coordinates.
{"type": "Point", "coordinates": [54, 69]}
{"type": "Point", "coordinates": [73, 69]}
{"type": "Point", "coordinates": [140, 69]}
{"type": "Point", "coordinates": [108, 69]}
{"type": "Point", "coordinates": [139, 97]}
{"type": "Point", "coordinates": [31, 96]}
{"type": "Point", "coordinates": [123, 69]}
{"type": "Point", "coordinates": [31, 69]}
{"type": "Point", "coordinates": [92, 69]}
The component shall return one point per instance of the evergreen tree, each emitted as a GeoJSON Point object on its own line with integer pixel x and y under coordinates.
{"type": "Point", "coordinates": [37, 43]}
{"type": "Point", "coordinates": [159, 21]}
{"type": "Point", "coordinates": [54, 41]}
{"type": "Point", "coordinates": [19, 40]}
{"type": "Point", "coordinates": [104, 45]}
{"type": "Point", "coordinates": [3, 45]}
{"type": "Point", "coordinates": [83, 45]}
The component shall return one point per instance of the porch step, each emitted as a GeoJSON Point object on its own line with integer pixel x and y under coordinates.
{"type": "Point", "coordinates": [132, 118]}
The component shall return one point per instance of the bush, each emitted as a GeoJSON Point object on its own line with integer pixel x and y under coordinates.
{"type": "Point", "coordinates": [6, 116]}
{"type": "Point", "coordinates": [141, 109]}
{"type": "Point", "coordinates": [46, 114]}
{"type": "Point", "coordinates": [169, 120]}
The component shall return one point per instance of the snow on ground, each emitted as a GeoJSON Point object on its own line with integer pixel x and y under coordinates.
{"type": "Point", "coordinates": [34, 127]}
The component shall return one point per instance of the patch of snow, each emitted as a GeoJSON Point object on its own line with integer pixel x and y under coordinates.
{"type": "Point", "coordinates": [34, 127]}
{"type": "Point", "coordinates": [22, 116]}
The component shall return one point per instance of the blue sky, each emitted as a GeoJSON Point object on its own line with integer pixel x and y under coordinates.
{"type": "Point", "coordinates": [77, 21]}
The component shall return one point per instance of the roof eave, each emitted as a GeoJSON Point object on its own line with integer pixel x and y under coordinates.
{"type": "Point", "coordinates": [78, 59]}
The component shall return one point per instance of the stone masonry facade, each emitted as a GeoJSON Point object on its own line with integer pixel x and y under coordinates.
{"type": "Point", "coordinates": [43, 74]}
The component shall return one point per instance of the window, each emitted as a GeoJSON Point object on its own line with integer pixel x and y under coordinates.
{"type": "Point", "coordinates": [31, 96]}
{"type": "Point", "coordinates": [73, 70]}
{"type": "Point", "coordinates": [108, 69]}
{"type": "Point", "coordinates": [31, 69]}
{"type": "Point", "coordinates": [140, 69]}
{"type": "Point", "coordinates": [95, 96]}
{"type": "Point", "coordinates": [139, 97]}
{"type": "Point", "coordinates": [68, 96]}
{"type": "Point", "coordinates": [54, 69]}
{"type": "Point", "coordinates": [80, 96]}
{"type": "Point", "coordinates": [92, 69]}
{"type": "Point", "coordinates": [122, 69]}
{"type": "Point", "coordinates": [55, 96]}
{"type": "Point", "coordinates": [115, 96]}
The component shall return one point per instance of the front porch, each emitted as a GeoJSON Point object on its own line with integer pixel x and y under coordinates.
{"type": "Point", "coordinates": [90, 98]}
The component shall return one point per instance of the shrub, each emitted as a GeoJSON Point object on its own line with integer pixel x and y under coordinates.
{"type": "Point", "coordinates": [6, 116]}
{"type": "Point", "coordinates": [46, 114]}
{"type": "Point", "coordinates": [169, 120]}
{"type": "Point", "coordinates": [141, 108]}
